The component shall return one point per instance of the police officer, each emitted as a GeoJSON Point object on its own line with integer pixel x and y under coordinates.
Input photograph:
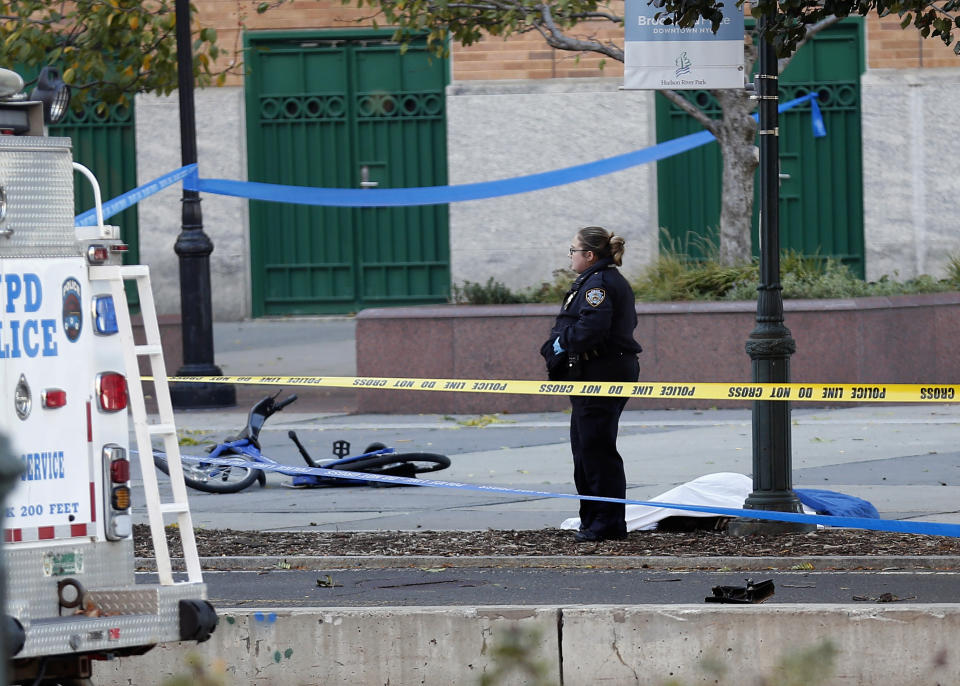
{"type": "Point", "coordinates": [592, 340]}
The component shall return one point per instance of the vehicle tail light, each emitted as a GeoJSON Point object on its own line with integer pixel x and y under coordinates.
{"type": "Point", "coordinates": [116, 489]}
{"type": "Point", "coordinates": [111, 391]}
{"type": "Point", "coordinates": [104, 315]}
{"type": "Point", "coordinates": [120, 471]}
{"type": "Point", "coordinates": [53, 397]}
{"type": "Point", "coordinates": [120, 498]}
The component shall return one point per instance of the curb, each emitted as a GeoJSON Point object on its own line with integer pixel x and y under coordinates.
{"type": "Point", "coordinates": [576, 645]}
{"type": "Point", "coordinates": [877, 563]}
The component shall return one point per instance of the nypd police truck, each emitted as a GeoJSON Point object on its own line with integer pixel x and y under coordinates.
{"type": "Point", "coordinates": [65, 386]}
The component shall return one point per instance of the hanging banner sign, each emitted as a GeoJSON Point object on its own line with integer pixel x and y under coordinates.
{"type": "Point", "coordinates": [660, 56]}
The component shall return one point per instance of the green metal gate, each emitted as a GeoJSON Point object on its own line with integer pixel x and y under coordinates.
{"type": "Point", "coordinates": [345, 110]}
{"type": "Point", "coordinates": [821, 194]}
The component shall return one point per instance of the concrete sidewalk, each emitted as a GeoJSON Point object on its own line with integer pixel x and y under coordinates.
{"type": "Point", "coordinates": [903, 459]}
{"type": "Point", "coordinates": [314, 346]}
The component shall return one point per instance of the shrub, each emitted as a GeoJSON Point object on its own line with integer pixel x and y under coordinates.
{"type": "Point", "coordinates": [672, 277]}
{"type": "Point", "coordinates": [551, 291]}
{"type": "Point", "coordinates": [492, 293]}
{"type": "Point", "coordinates": [953, 269]}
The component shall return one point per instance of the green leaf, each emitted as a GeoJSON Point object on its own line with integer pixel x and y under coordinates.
{"type": "Point", "coordinates": [906, 21]}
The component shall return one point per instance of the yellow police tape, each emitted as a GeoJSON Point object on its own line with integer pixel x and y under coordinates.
{"type": "Point", "coordinates": [804, 392]}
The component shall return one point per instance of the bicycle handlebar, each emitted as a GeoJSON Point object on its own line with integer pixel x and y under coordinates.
{"type": "Point", "coordinates": [259, 414]}
{"type": "Point", "coordinates": [283, 403]}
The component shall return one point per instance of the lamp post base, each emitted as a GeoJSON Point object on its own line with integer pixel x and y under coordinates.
{"type": "Point", "coordinates": [201, 396]}
{"type": "Point", "coordinates": [774, 501]}
{"type": "Point", "coordinates": [766, 527]}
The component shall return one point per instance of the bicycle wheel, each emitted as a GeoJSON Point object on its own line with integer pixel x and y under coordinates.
{"type": "Point", "coordinates": [210, 478]}
{"type": "Point", "coordinates": [401, 463]}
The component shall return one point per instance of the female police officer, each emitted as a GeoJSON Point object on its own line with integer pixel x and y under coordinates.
{"type": "Point", "coordinates": [592, 340]}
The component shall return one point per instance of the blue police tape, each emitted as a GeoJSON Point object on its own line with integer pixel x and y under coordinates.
{"type": "Point", "coordinates": [433, 195]}
{"type": "Point", "coordinates": [438, 195]}
{"type": "Point", "coordinates": [925, 528]}
{"type": "Point", "coordinates": [132, 197]}
{"type": "Point", "coordinates": [819, 130]}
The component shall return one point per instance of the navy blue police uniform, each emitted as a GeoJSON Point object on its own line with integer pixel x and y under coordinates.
{"type": "Point", "coordinates": [596, 324]}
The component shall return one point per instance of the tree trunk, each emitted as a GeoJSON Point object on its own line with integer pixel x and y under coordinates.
{"type": "Point", "coordinates": [740, 159]}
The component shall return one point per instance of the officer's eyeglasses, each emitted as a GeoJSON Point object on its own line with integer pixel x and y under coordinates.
{"type": "Point", "coordinates": [573, 250]}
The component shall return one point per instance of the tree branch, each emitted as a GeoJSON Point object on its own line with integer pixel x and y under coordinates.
{"type": "Point", "coordinates": [615, 18]}
{"type": "Point", "coordinates": [556, 38]}
{"type": "Point", "coordinates": [812, 31]}
{"type": "Point", "coordinates": [711, 125]}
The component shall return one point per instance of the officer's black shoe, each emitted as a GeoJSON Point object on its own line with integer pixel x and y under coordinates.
{"type": "Point", "coordinates": [589, 536]}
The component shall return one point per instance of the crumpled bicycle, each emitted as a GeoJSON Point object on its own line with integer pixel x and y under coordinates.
{"type": "Point", "coordinates": [216, 478]}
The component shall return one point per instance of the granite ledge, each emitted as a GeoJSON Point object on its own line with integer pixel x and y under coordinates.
{"type": "Point", "coordinates": [686, 307]}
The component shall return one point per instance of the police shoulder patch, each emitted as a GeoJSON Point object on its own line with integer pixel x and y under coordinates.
{"type": "Point", "coordinates": [595, 296]}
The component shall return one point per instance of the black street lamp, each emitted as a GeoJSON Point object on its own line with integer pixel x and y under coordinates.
{"type": "Point", "coordinates": [770, 344]}
{"type": "Point", "coordinates": [193, 247]}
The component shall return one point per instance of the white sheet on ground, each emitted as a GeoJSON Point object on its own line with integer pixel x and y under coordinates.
{"type": "Point", "coordinates": [723, 489]}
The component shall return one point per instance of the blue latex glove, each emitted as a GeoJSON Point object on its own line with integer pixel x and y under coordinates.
{"type": "Point", "coordinates": [557, 348]}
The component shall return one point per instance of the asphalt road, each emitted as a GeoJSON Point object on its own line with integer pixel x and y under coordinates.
{"type": "Point", "coordinates": [515, 586]}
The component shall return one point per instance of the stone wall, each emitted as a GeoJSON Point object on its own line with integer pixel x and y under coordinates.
{"type": "Point", "coordinates": [909, 171]}
{"type": "Point", "coordinates": [903, 339]}
{"type": "Point", "coordinates": [503, 129]}
{"type": "Point", "coordinates": [221, 151]}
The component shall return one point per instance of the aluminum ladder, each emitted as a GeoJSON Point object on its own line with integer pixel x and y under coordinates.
{"type": "Point", "coordinates": [165, 428]}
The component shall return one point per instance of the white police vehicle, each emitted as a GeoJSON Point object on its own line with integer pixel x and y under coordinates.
{"type": "Point", "coordinates": [68, 548]}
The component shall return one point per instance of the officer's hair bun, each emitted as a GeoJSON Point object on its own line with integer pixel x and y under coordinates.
{"type": "Point", "coordinates": [602, 242]}
{"type": "Point", "coordinates": [617, 245]}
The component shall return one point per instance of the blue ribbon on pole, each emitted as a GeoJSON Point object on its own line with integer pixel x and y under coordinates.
{"type": "Point", "coordinates": [430, 195]}
{"type": "Point", "coordinates": [819, 130]}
